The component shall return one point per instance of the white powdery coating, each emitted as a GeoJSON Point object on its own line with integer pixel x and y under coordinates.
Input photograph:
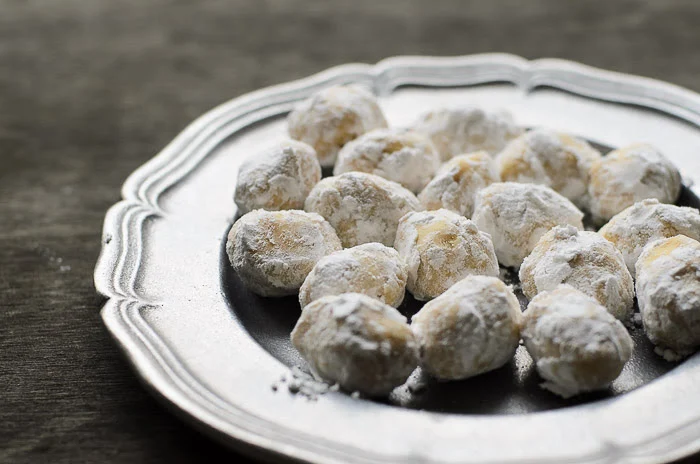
{"type": "Point", "coordinates": [361, 343]}
{"type": "Point", "coordinates": [648, 220]}
{"type": "Point", "coordinates": [403, 156]}
{"type": "Point", "coordinates": [280, 177]}
{"type": "Point", "coordinates": [456, 131]}
{"type": "Point", "coordinates": [440, 248]}
{"type": "Point", "coordinates": [457, 181]}
{"type": "Point", "coordinates": [334, 116]}
{"type": "Point", "coordinates": [371, 269]}
{"type": "Point", "coordinates": [628, 175]}
{"type": "Point", "coordinates": [274, 251]}
{"type": "Point", "coordinates": [584, 260]}
{"type": "Point", "coordinates": [361, 207]}
{"type": "Point", "coordinates": [472, 328]}
{"type": "Point", "coordinates": [668, 292]}
{"type": "Point", "coordinates": [550, 158]}
{"type": "Point", "coordinates": [518, 215]}
{"type": "Point", "coordinates": [577, 345]}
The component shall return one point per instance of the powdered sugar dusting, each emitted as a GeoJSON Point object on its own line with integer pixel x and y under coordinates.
{"type": "Point", "coordinates": [629, 175]}
{"type": "Point", "coordinates": [302, 383]}
{"type": "Point", "coordinates": [517, 215]}
{"type": "Point", "coordinates": [334, 116]}
{"type": "Point", "coordinates": [668, 292]}
{"type": "Point", "coordinates": [456, 131]}
{"type": "Point", "coordinates": [361, 207]}
{"type": "Point", "coordinates": [577, 345]}
{"type": "Point", "coordinates": [550, 158]}
{"type": "Point", "coordinates": [278, 178]}
{"type": "Point", "coordinates": [440, 248]}
{"type": "Point", "coordinates": [402, 156]}
{"type": "Point", "coordinates": [584, 260]}
{"type": "Point", "coordinates": [472, 328]}
{"type": "Point", "coordinates": [648, 220]}
{"type": "Point", "coordinates": [457, 181]}
{"type": "Point", "coordinates": [356, 341]}
{"type": "Point", "coordinates": [273, 252]}
{"type": "Point", "coordinates": [371, 269]}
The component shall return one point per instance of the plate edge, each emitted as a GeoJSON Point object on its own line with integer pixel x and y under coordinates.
{"type": "Point", "coordinates": [116, 268]}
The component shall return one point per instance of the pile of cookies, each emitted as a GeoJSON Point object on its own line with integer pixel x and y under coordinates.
{"type": "Point", "coordinates": [436, 209]}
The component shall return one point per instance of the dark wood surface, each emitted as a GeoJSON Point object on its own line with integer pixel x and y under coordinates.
{"type": "Point", "coordinates": [91, 89]}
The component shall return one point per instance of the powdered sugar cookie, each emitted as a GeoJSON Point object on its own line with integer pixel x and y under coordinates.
{"type": "Point", "coordinates": [334, 116]}
{"type": "Point", "coordinates": [648, 220]}
{"type": "Point", "coordinates": [472, 328]}
{"type": "Point", "coordinates": [518, 215]}
{"type": "Point", "coordinates": [456, 131]}
{"type": "Point", "coordinates": [356, 341]}
{"type": "Point", "coordinates": [577, 345]}
{"type": "Point", "coordinates": [361, 207]}
{"type": "Point", "coordinates": [403, 156]}
{"type": "Point", "coordinates": [273, 252]}
{"type": "Point", "coordinates": [279, 178]}
{"type": "Point", "coordinates": [371, 269]}
{"type": "Point", "coordinates": [668, 291]}
{"type": "Point", "coordinates": [554, 159]}
{"type": "Point", "coordinates": [441, 248]}
{"type": "Point", "coordinates": [584, 260]}
{"type": "Point", "coordinates": [629, 175]}
{"type": "Point", "coordinates": [457, 181]}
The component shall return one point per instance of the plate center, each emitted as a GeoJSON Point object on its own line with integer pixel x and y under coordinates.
{"type": "Point", "coordinates": [512, 389]}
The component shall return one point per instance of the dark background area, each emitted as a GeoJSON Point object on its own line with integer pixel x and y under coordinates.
{"type": "Point", "coordinates": [91, 89]}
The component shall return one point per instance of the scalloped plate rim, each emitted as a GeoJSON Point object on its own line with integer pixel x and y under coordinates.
{"type": "Point", "coordinates": [114, 265]}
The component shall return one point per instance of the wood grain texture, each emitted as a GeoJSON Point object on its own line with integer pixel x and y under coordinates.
{"type": "Point", "coordinates": [91, 89]}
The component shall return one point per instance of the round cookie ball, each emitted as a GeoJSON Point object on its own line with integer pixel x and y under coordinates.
{"type": "Point", "coordinates": [441, 248]}
{"type": "Point", "coordinates": [576, 344]}
{"type": "Point", "coordinates": [274, 251]}
{"type": "Point", "coordinates": [361, 207]}
{"type": "Point", "coordinates": [457, 181]}
{"type": "Point", "coordinates": [403, 156]}
{"type": "Point", "coordinates": [550, 158]}
{"type": "Point", "coordinates": [280, 177]}
{"type": "Point", "coordinates": [584, 260]}
{"type": "Point", "coordinates": [334, 116]}
{"type": "Point", "coordinates": [472, 328]}
{"type": "Point", "coordinates": [648, 220]}
{"type": "Point", "coordinates": [518, 215]}
{"type": "Point", "coordinates": [356, 341]}
{"type": "Point", "coordinates": [371, 269]}
{"type": "Point", "coordinates": [629, 175]}
{"type": "Point", "coordinates": [668, 292]}
{"type": "Point", "coordinates": [455, 131]}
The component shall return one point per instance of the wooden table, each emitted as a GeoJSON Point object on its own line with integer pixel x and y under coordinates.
{"type": "Point", "coordinates": [91, 89]}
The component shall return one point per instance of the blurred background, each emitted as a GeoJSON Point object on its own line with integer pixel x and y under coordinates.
{"type": "Point", "coordinates": [91, 89]}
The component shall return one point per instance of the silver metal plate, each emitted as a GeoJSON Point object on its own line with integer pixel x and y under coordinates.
{"type": "Point", "coordinates": [213, 351]}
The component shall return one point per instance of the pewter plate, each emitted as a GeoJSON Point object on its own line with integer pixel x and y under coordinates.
{"type": "Point", "coordinates": [212, 350]}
